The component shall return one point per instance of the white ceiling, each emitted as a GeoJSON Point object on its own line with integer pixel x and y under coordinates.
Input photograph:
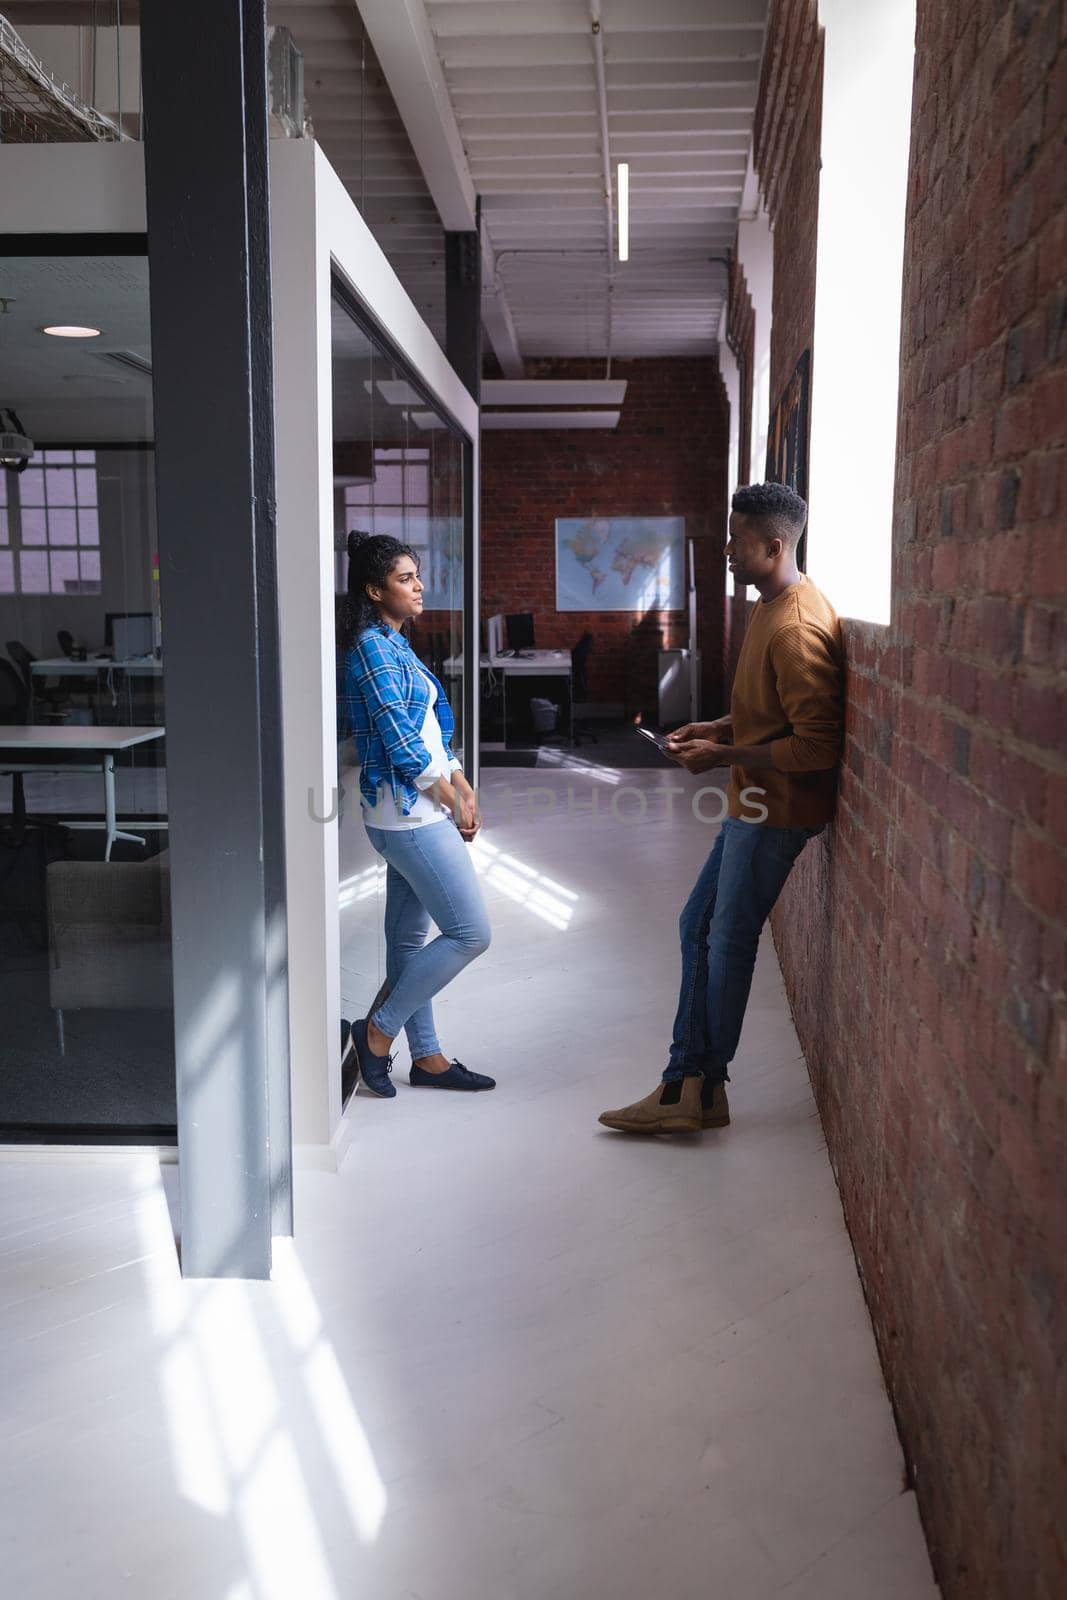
{"type": "Point", "coordinates": [61, 388]}
{"type": "Point", "coordinates": [681, 78]}
{"type": "Point", "coordinates": [681, 81]}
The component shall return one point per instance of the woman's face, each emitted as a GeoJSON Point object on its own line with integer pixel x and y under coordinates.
{"type": "Point", "coordinates": [400, 596]}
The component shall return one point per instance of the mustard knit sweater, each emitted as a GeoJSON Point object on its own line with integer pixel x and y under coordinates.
{"type": "Point", "coordinates": [789, 693]}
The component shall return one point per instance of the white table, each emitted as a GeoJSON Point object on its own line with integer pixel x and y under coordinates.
{"type": "Point", "coordinates": [102, 669]}
{"type": "Point", "coordinates": [67, 667]}
{"type": "Point", "coordinates": [98, 743]}
{"type": "Point", "coordinates": [530, 664]}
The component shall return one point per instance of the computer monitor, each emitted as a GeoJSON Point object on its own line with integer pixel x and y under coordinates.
{"type": "Point", "coordinates": [520, 630]}
{"type": "Point", "coordinates": [495, 641]}
{"type": "Point", "coordinates": [128, 634]}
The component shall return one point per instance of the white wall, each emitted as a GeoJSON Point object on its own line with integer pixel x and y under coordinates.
{"type": "Point", "coordinates": [73, 188]}
{"type": "Point", "coordinates": [866, 135]}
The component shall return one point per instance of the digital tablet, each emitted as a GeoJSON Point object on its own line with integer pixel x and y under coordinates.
{"type": "Point", "coordinates": [657, 739]}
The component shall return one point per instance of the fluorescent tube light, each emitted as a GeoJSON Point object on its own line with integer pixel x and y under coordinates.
{"type": "Point", "coordinates": [624, 210]}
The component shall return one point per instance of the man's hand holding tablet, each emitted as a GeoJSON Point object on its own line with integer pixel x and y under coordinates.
{"type": "Point", "coordinates": [702, 746]}
{"type": "Point", "coordinates": [657, 739]}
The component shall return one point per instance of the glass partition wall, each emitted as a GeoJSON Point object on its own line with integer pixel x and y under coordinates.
{"type": "Point", "coordinates": [398, 470]}
{"type": "Point", "coordinates": [86, 1038]}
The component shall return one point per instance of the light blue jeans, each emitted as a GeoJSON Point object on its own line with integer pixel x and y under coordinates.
{"type": "Point", "coordinates": [431, 878]}
{"type": "Point", "coordinates": [720, 928]}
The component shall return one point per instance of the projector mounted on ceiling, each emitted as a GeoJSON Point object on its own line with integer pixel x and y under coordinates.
{"type": "Point", "coordinates": [16, 446]}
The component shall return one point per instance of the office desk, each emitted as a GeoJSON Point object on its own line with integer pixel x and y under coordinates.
{"type": "Point", "coordinates": [531, 664]}
{"type": "Point", "coordinates": [66, 667]}
{"type": "Point", "coordinates": [103, 671]}
{"type": "Point", "coordinates": [98, 745]}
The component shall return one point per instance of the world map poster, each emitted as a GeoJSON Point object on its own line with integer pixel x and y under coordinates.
{"type": "Point", "coordinates": [620, 563]}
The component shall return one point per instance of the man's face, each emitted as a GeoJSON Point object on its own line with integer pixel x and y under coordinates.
{"type": "Point", "coordinates": [751, 553]}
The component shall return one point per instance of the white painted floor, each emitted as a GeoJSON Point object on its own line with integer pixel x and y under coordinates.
{"type": "Point", "coordinates": [511, 1355]}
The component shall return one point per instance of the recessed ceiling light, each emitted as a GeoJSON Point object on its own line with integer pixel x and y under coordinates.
{"type": "Point", "coordinates": [62, 332]}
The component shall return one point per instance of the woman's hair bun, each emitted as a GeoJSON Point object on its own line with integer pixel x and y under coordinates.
{"type": "Point", "coordinates": [355, 539]}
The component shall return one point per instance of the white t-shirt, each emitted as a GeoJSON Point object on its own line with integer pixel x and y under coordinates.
{"type": "Point", "coordinates": [386, 812]}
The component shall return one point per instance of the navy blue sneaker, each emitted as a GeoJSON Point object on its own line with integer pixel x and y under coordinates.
{"type": "Point", "coordinates": [457, 1077]}
{"type": "Point", "coordinates": [374, 1070]}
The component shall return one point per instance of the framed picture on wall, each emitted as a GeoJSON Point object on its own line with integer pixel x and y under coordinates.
{"type": "Point", "coordinates": [620, 563]}
{"type": "Point", "coordinates": [787, 438]}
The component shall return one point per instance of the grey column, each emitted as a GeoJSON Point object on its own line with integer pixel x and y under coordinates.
{"type": "Point", "coordinates": [261, 324]}
{"type": "Point", "coordinates": [206, 170]}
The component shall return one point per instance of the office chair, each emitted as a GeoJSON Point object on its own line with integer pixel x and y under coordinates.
{"type": "Point", "coordinates": [579, 657]}
{"type": "Point", "coordinates": [66, 642]}
{"type": "Point", "coordinates": [55, 699]}
{"type": "Point", "coordinates": [14, 703]}
{"type": "Point", "coordinates": [23, 660]}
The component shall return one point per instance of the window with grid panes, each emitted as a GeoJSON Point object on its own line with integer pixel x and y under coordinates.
{"type": "Point", "coordinates": [50, 526]}
{"type": "Point", "coordinates": [7, 558]}
{"type": "Point", "coordinates": [397, 502]}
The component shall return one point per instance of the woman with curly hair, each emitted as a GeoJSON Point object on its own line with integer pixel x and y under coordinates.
{"type": "Point", "coordinates": [420, 814]}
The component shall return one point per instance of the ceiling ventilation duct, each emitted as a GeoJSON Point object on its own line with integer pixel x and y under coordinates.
{"type": "Point", "coordinates": [36, 108]}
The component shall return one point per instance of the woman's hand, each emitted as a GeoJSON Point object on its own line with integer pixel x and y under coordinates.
{"type": "Point", "coordinates": [459, 797]}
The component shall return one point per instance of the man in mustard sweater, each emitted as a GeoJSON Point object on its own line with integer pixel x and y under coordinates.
{"type": "Point", "coordinates": [782, 743]}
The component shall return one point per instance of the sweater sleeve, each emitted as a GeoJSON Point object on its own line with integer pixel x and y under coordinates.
{"type": "Point", "coordinates": [808, 676]}
{"type": "Point", "coordinates": [382, 688]}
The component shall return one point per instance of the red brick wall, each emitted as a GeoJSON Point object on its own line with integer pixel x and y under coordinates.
{"type": "Point", "coordinates": [796, 218]}
{"type": "Point", "coordinates": [923, 938]}
{"type": "Point", "coordinates": [787, 138]}
{"type": "Point", "coordinates": [668, 457]}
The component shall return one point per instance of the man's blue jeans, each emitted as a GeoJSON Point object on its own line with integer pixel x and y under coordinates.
{"type": "Point", "coordinates": [431, 878]}
{"type": "Point", "coordinates": [720, 928]}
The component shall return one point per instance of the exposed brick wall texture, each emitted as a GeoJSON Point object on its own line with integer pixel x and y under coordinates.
{"type": "Point", "coordinates": [922, 938]}
{"type": "Point", "coordinates": [668, 457]}
{"type": "Point", "coordinates": [741, 337]}
{"type": "Point", "coordinates": [795, 235]}
{"type": "Point", "coordinates": [788, 134]}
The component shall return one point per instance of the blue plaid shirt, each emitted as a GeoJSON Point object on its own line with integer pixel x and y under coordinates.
{"type": "Point", "coordinates": [386, 699]}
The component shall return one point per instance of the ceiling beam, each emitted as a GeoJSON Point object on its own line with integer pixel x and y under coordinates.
{"type": "Point", "coordinates": [402, 39]}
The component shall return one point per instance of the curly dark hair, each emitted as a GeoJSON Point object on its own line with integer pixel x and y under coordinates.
{"type": "Point", "coordinates": [371, 558]}
{"type": "Point", "coordinates": [774, 503]}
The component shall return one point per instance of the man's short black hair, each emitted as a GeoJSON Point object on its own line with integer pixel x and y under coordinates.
{"type": "Point", "coordinates": [774, 503]}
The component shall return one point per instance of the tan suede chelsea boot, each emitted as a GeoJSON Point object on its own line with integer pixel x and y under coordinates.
{"type": "Point", "coordinates": [670, 1108]}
